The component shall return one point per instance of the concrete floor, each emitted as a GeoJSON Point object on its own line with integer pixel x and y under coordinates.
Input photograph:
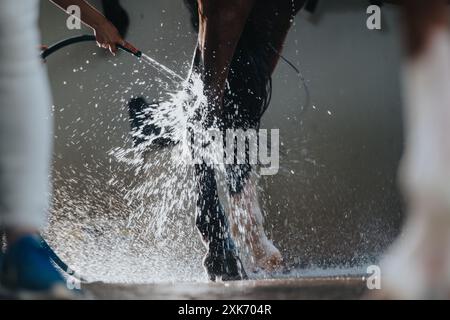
{"type": "Point", "coordinates": [281, 289]}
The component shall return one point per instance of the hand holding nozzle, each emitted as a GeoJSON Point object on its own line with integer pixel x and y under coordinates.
{"type": "Point", "coordinates": [124, 45]}
{"type": "Point", "coordinates": [108, 37]}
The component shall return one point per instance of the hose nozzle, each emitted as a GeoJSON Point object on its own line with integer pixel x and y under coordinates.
{"type": "Point", "coordinates": [131, 49]}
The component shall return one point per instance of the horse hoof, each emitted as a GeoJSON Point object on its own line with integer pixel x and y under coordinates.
{"type": "Point", "coordinates": [225, 266]}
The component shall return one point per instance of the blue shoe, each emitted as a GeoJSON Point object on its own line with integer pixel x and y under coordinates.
{"type": "Point", "coordinates": [28, 272]}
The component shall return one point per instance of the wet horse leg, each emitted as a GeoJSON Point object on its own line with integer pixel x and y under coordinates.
{"type": "Point", "coordinates": [221, 24]}
{"type": "Point", "coordinates": [275, 20]}
{"type": "Point", "coordinates": [272, 19]}
{"type": "Point", "coordinates": [417, 265]}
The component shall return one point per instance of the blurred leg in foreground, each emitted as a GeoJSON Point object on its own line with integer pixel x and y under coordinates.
{"type": "Point", "coordinates": [25, 154]}
{"type": "Point", "coordinates": [418, 264]}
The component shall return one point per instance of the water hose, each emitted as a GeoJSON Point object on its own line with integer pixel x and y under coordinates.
{"type": "Point", "coordinates": [127, 47]}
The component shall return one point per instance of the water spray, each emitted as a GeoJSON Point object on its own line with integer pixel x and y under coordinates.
{"type": "Point", "coordinates": [129, 48]}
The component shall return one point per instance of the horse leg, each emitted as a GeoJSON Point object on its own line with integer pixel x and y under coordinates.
{"type": "Point", "coordinates": [220, 27]}
{"type": "Point", "coordinates": [417, 265]}
{"type": "Point", "coordinates": [275, 20]}
{"type": "Point", "coordinates": [247, 223]}
{"type": "Point", "coordinates": [272, 19]}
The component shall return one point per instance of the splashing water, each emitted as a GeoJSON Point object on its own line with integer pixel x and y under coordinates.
{"type": "Point", "coordinates": [166, 180]}
{"type": "Point", "coordinates": [130, 218]}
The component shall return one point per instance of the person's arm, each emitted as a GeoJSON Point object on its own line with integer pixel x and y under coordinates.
{"type": "Point", "coordinates": [107, 35]}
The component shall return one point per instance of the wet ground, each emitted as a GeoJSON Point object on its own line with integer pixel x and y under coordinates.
{"type": "Point", "coordinates": [281, 289]}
